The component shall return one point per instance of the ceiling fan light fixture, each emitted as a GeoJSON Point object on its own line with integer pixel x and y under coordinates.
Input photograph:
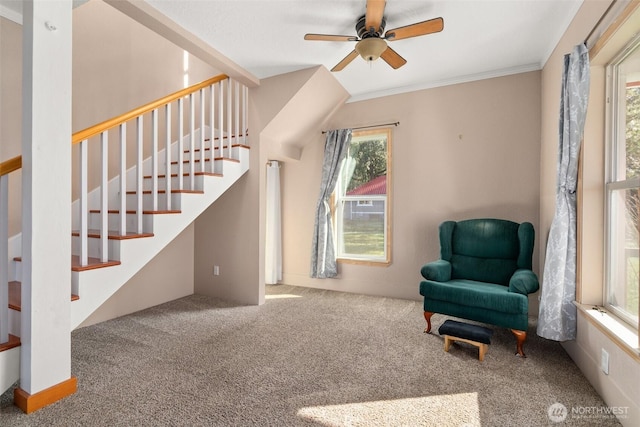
{"type": "Point", "coordinates": [371, 48]}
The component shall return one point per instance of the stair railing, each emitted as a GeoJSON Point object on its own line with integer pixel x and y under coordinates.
{"type": "Point", "coordinates": [202, 153]}
{"type": "Point", "coordinates": [227, 103]}
{"type": "Point", "coordinates": [6, 168]}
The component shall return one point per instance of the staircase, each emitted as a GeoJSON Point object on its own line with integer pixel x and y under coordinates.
{"type": "Point", "coordinates": [198, 148]}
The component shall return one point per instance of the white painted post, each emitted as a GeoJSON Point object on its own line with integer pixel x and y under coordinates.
{"type": "Point", "coordinates": [167, 154]}
{"type": "Point", "coordinates": [122, 216]}
{"type": "Point", "coordinates": [180, 143]}
{"type": "Point", "coordinates": [83, 203]}
{"type": "Point", "coordinates": [104, 194]}
{"type": "Point", "coordinates": [139, 176]}
{"type": "Point", "coordinates": [154, 159]}
{"type": "Point", "coordinates": [45, 355]}
{"type": "Point", "coordinates": [4, 258]}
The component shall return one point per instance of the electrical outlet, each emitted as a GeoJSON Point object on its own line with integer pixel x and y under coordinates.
{"type": "Point", "coordinates": [604, 362]}
{"type": "Point", "coordinates": [216, 270]}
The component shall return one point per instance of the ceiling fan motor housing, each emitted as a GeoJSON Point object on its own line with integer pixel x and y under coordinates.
{"type": "Point", "coordinates": [364, 32]}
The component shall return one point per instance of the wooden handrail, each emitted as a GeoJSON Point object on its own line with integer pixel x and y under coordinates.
{"type": "Point", "coordinates": [15, 163]}
{"type": "Point", "coordinates": [10, 165]}
{"type": "Point", "coordinates": [110, 123]}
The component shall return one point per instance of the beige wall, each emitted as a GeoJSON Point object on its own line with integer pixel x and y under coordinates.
{"type": "Point", "coordinates": [461, 151]}
{"type": "Point", "coordinates": [620, 387]}
{"type": "Point", "coordinates": [11, 111]}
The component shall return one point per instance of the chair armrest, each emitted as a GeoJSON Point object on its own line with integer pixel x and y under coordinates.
{"type": "Point", "coordinates": [439, 271]}
{"type": "Point", "coordinates": [523, 282]}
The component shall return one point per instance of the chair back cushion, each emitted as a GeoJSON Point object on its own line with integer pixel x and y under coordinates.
{"type": "Point", "coordinates": [486, 250]}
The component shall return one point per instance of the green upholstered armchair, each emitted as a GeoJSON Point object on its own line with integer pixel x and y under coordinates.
{"type": "Point", "coordinates": [484, 274]}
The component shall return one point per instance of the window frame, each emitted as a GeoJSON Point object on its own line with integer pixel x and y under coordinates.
{"type": "Point", "coordinates": [613, 185]}
{"type": "Point", "coordinates": [336, 214]}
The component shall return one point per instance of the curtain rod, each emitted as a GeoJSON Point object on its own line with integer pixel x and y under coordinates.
{"type": "Point", "coordinates": [600, 21]}
{"type": "Point", "coordinates": [372, 126]}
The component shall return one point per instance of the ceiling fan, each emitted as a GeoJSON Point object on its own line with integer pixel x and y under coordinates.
{"type": "Point", "coordinates": [371, 44]}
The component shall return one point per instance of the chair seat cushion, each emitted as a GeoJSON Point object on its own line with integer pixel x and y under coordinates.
{"type": "Point", "coordinates": [472, 293]}
{"type": "Point", "coordinates": [475, 333]}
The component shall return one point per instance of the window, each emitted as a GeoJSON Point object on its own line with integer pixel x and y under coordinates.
{"type": "Point", "coordinates": [623, 181]}
{"type": "Point", "coordinates": [361, 199]}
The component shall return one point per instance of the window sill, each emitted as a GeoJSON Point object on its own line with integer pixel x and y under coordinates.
{"type": "Point", "coordinates": [364, 262]}
{"type": "Point", "coordinates": [620, 333]}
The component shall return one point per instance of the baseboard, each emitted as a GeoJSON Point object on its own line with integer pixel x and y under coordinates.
{"type": "Point", "coordinates": [32, 402]}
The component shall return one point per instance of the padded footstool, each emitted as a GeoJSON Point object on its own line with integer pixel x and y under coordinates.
{"type": "Point", "coordinates": [472, 334]}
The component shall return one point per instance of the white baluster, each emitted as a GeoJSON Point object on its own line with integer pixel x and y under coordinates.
{"type": "Point", "coordinates": [221, 120]}
{"type": "Point", "coordinates": [236, 138]}
{"type": "Point", "coordinates": [212, 132]}
{"type": "Point", "coordinates": [229, 117]}
{"type": "Point", "coordinates": [245, 110]}
{"type": "Point", "coordinates": [154, 159]}
{"type": "Point", "coordinates": [202, 135]}
{"type": "Point", "coordinates": [139, 160]}
{"type": "Point", "coordinates": [4, 258]}
{"type": "Point", "coordinates": [192, 130]}
{"type": "Point", "coordinates": [122, 216]}
{"type": "Point", "coordinates": [83, 202]}
{"type": "Point", "coordinates": [167, 152]}
{"type": "Point", "coordinates": [104, 193]}
{"type": "Point", "coordinates": [180, 143]}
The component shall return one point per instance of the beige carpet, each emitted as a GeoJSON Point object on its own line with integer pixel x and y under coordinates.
{"type": "Point", "coordinates": [307, 358]}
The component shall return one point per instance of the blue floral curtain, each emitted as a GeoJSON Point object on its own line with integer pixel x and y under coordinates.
{"type": "Point", "coordinates": [557, 316]}
{"type": "Point", "coordinates": [323, 255]}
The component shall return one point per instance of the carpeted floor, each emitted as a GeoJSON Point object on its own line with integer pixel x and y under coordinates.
{"type": "Point", "coordinates": [307, 358]}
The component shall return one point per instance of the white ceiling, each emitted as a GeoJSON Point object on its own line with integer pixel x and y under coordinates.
{"type": "Point", "coordinates": [481, 38]}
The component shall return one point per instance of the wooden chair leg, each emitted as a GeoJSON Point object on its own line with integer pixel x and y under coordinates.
{"type": "Point", "coordinates": [427, 317]}
{"type": "Point", "coordinates": [521, 336]}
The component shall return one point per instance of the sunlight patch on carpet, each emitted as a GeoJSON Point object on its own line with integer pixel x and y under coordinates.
{"type": "Point", "coordinates": [445, 410]}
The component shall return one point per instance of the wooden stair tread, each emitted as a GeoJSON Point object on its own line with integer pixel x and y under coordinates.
{"type": "Point", "coordinates": [15, 296]}
{"type": "Point", "coordinates": [93, 263]}
{"type": "Point", "coordinates": [172, 192]}
{"type": "Point", "coordinates": [175, 175]}
{"type": "Point", "coordinates": [132, 212]}
{"type": "Point", "coordinates": [13, 342]}
{"type": "Point", "coordinates": [113, 234]}
{"type": "Point", "coordinates": [228, 159]}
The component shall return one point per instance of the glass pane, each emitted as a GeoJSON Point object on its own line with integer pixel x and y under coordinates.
{"type": "Point", "coordinates": [366, 166]}
{"type": "Point", "coordinates": [363, 228]}
{"type": "Point", "coordinates": [623, 290]}
{"type": "Point", "coordinates": [629, 72]}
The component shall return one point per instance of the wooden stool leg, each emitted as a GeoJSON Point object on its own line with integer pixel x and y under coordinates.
{"type": "Point", "coordinates": [482, 350]}
{"type": "Point", "coordinates": [447, 342]}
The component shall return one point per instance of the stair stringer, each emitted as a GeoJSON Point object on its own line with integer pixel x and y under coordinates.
{"type": "Point", "coordinates": [95, 286]}
{"type": "Point", "coordinates": [9, 368]}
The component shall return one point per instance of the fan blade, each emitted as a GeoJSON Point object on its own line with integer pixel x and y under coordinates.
{"type": "Point", "coordinates": [418, 29]}
{"type": "Point", "coordinates": [392, 58]}
{"type": "Point", "coordinates": [374, 14]}
{"type": "Point", "coordinates": [330, 38]}
{"type": "Point", "coordinates": [347, 59]}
